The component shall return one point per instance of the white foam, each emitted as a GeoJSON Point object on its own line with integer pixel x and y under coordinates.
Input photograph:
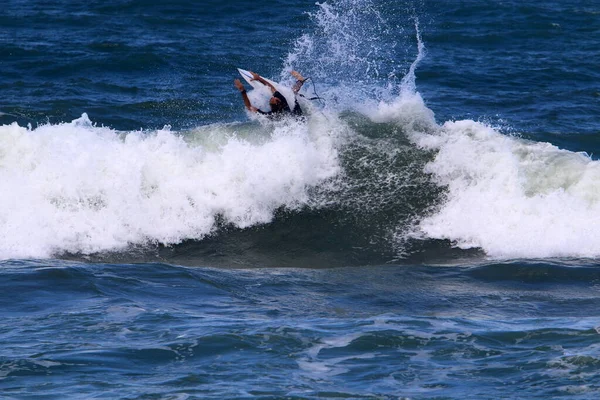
{"type": "Point", "coordinates": [512, 197]}
{"type": "Point", "coordinates": [80, 188]}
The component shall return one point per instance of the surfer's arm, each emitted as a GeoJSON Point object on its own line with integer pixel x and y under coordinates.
{"type": "Point", "coordinates": [299, 81]}
{"type": "Point", "coordinates": [259, 78]}
{"type": "Point", "coordinates": [242, 90]}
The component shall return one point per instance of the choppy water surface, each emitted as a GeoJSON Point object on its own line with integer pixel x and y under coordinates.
{"type": "Point", "coordinates": [427, 232]}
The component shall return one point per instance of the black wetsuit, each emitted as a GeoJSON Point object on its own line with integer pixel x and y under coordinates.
{"type": "Point", "coordinates": [285, 108]}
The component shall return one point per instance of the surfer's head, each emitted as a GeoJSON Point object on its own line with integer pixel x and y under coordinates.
{"type": "Point", "coordinates": [276, 104]}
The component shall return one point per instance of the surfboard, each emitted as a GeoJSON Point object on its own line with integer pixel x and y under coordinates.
{"type": "Point", "coordinates": [285, 91]}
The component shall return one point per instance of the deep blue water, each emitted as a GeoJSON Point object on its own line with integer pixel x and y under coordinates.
{"type": "Point", "coordinates": [427, 232]}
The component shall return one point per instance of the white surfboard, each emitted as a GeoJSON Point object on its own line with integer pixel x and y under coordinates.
{"type": "Point", "coordinates": [285, 91]}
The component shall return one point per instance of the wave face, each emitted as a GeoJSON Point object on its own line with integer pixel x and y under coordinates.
{"type": "Point", "coordinates": [373, 176]}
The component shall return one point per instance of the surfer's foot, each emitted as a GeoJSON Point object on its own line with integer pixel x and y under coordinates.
{"type": "Point", "coordinates": [297, 75]}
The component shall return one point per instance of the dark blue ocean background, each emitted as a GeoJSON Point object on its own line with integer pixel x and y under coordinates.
{"type": "Point", "coordinates": [428, 232]}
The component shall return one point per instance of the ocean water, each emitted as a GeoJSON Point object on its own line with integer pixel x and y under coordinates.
{"type": "Point", "coordinates": [428, 232]}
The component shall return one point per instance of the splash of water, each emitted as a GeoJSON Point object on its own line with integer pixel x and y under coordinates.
{"type": "Point", "coordinates": [353, 51]}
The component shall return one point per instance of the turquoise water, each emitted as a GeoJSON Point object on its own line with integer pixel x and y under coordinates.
{"type": "Point", "coordinates": [427, 232]}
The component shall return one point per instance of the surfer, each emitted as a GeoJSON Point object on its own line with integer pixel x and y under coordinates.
{"type": "Point", "coordinates": [277, 102]}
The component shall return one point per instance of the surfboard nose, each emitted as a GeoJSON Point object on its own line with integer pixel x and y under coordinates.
{"type": "Point", "coordinates": [245, 74]}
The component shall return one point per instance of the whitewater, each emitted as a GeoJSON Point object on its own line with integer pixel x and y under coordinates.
{"type": "Point", "coordinates": [75, 187]}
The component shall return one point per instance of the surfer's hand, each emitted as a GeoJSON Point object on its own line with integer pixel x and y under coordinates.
{"type": "Point", "coordinates": [255, 76]}
{"type": "Point", "coordinates": [239, 85]}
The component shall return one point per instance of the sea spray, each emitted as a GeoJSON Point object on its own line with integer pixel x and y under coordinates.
{"type": "Point", "coordinates": [352, 51]}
